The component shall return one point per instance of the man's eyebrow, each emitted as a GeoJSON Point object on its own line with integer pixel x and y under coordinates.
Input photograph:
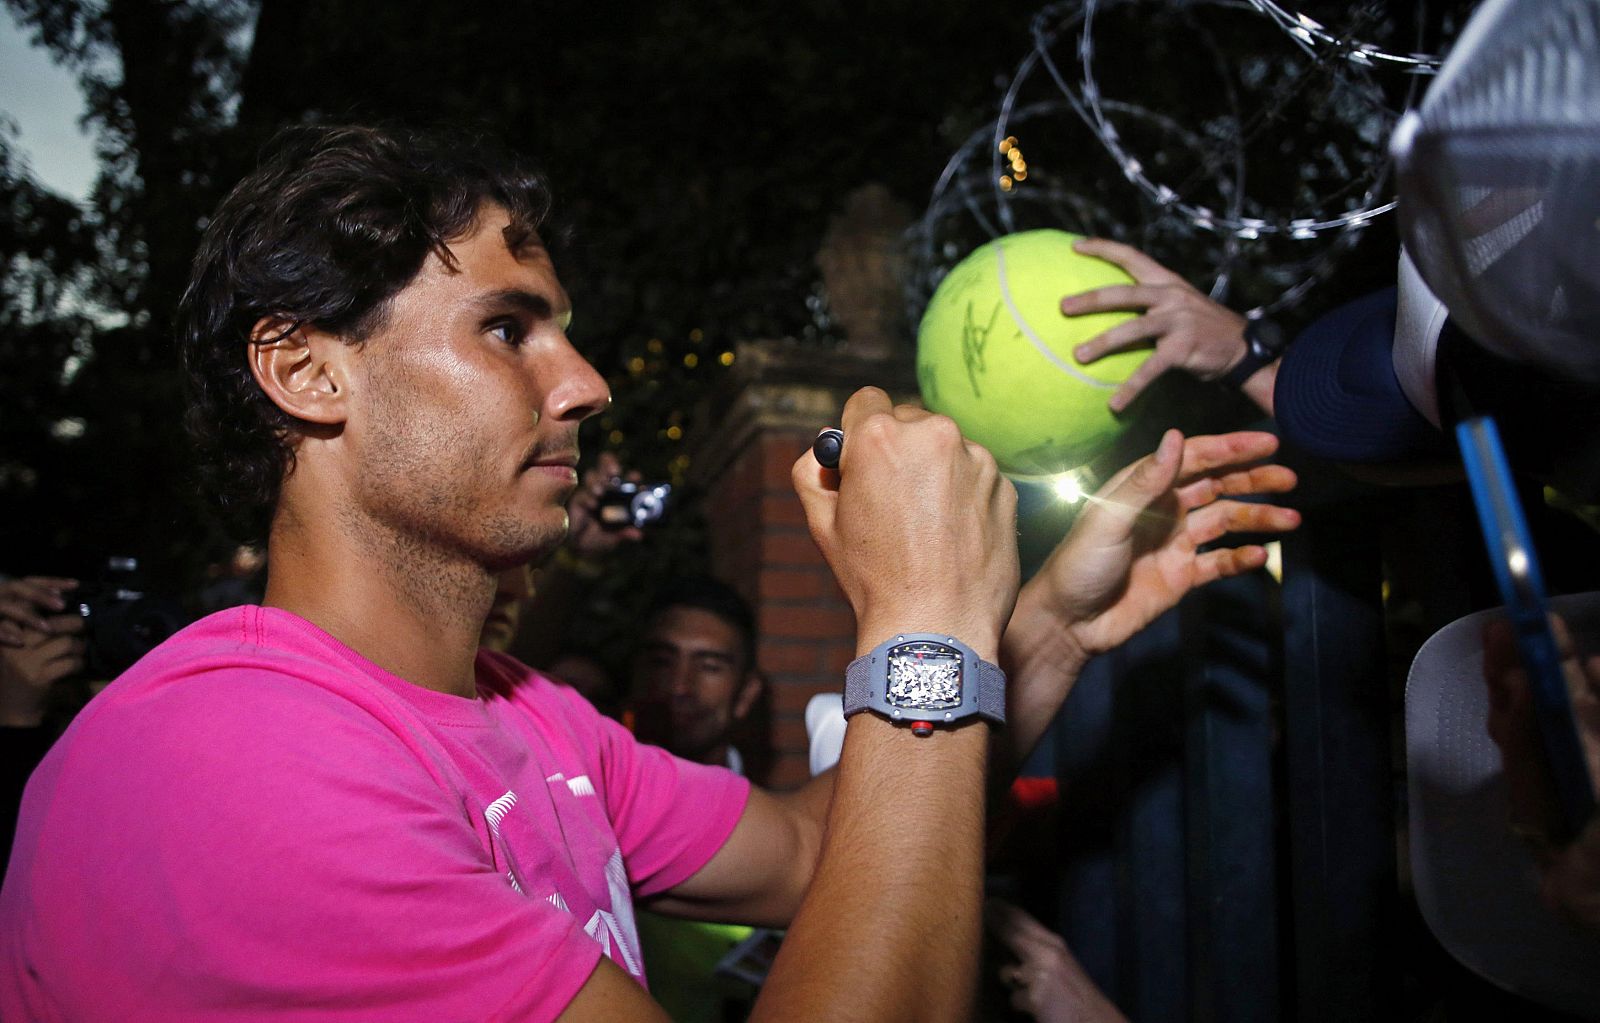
{"type": "Point", "coordinates": [527, 302]}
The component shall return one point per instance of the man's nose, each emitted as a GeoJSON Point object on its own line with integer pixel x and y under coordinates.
{"type": "Point", "coordinates": [682, 682]}
{"type": "Point", "coordinates": [578, 392]}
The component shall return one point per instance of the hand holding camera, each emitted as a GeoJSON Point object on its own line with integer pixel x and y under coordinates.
{"type": "Point", "coordinates": [35, 604]}
{"type": "Point", "coordinates": [30, 669]}
{"type": "Point", "coordinates": [631, 504]}
{"type": "Point", "coordinates": [611, 507]}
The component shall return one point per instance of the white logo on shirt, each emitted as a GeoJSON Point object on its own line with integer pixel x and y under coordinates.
{"type": "Point", "coordinates": [581, 785]}
{"type": "Point", "coordinates": [615, 930]}
{"type": "Point", "coordinates": [494, 814]}
{"type": "Point", "coordinates": [618, 925]}
{"type": "Point", "coordinates": [497, 811]}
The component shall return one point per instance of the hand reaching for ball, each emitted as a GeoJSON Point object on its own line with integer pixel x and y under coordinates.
{"type": "Point", "coordinates": [1148, 536]}
{"type": "Point", "coordinates": [1176, 325]}
{"type": "Point", "coordinates": [995, 354]}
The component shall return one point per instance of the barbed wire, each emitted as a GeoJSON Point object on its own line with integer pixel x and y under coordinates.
{"type": "Point", "coordinates": [991, 193]}
{"type": "Point", "coordinates": [1246, 228]}
{"type": "Point", "coordinates": [1310, 35]}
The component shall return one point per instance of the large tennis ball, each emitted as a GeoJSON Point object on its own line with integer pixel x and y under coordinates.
{"type": "Point", "coordinates": [994, 353]}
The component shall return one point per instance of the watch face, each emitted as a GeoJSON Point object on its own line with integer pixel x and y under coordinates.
{"type": "Point", "coordinates": [924, 676]}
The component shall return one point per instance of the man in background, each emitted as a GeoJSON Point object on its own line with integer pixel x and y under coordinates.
{"type": "Point", "coordinates": [695, 678]}
{"type": "Point", "coordinates": [694, 682]}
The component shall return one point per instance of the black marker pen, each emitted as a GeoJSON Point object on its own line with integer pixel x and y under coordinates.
{"type": "Point", "coordinates": [827, 447]}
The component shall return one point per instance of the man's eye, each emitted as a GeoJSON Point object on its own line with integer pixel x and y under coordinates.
{"type": "Point", "coordinates": [508, 331]}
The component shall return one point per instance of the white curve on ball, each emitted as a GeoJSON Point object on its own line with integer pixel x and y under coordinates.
{"type": "Point", "coordinates": [1027, 328]}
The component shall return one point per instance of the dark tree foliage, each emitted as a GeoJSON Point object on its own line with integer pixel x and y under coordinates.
{"type": "Point", "coordinates": [44, 248]}
{"type": "Point", "coordinates": [697, 152]}
{"type": "Point", "coordinates": [109, 474]}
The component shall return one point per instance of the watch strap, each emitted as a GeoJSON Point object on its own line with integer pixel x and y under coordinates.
{"type": "Point", "coordinates": [860, 685]}
{"type": "Point", "coordinates": [1264, 342]}
{"type": "Point", "coordinates": [991, 692]}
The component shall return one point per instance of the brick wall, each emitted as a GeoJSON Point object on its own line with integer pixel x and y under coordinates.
{"type": "Point", "coordinates": [759, 544]}
{"type": "Point", "coordinates": [748, 437]}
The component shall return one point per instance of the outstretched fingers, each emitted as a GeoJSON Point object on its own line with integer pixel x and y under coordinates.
{"type": "Point", "coordinates": [1204, 455]}
{"type": "Point", "coordinates": [1230, 465]}
{"type": "Point", "coordinates": [1020, 931]}
{"type": "Point", "coordinates": [1216, 466]}
{"type": "Point", "coordinates": [1142, 376]}
{"type": "Point", "coordinates": [1112, 298]}
{"type": "Point", "coordinates": [1226, 562]}
{"type": "Point", "coordinates": [1258, 479]}
{"type": "Point", "coordinates": [1133, 490]}
{"type": "Point", "coordinates": [1135, 333]}
{"type": "Point", "coordinates": [1217, 520]}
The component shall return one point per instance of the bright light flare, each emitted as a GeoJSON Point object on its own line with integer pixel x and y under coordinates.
{"type": "Point", "coordinates": [1068, 488]}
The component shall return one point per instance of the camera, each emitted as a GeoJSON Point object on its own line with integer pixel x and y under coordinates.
{"type": "Point", "coordinates": [626, 503]}
{"type": "Point", "coordinates": [121, 623]}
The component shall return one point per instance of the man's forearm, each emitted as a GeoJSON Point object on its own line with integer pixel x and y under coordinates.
{"type": "Point", "coordinates": [1042, 664]}
{"type": "Point", "coordinates": [891, 925]}
{"type": "Point", "coordinates": [1262, 386]}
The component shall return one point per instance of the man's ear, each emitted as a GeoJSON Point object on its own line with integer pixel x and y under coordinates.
{"type": "Point", "coordinates": [749, 692]}
{"type": "Point", "coordinates": [305, 371]}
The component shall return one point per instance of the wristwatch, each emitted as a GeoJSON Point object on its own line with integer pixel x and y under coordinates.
{"type": "Point", "coordinates": [1264, 342]}
{"type": "Point", "coordinates": [922, 679]}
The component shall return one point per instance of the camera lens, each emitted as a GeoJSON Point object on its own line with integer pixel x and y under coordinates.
{"type": "Point", "coordinates": [649, 504]}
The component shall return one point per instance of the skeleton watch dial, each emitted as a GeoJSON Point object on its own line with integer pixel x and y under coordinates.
{"type": "Point", "coordinates": [924, 676]}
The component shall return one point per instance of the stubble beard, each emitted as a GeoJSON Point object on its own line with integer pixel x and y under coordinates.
{"type": "Point", "coordinates": [424, 511]}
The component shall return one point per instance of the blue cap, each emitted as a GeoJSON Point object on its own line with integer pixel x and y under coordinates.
{"type": "Point", "coordinates": [1337, 395]}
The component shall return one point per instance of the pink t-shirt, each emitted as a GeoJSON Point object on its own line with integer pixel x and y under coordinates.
{"type": "Point", "coordinates": [255, 822]}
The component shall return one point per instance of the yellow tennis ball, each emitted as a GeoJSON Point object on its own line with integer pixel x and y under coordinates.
{"type": "Point", "coordinates": [994, 353]}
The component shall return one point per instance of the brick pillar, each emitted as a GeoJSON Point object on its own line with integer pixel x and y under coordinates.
{"type": "Point", "coordinates": [778, 397]}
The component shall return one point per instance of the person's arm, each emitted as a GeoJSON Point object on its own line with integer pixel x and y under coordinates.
{"type": "Point", "coordinates": [1141, 543]}
{"type": "Point", "coordinates": [1134, 552]}
{"type": "Point", "coordinates": [919, 528]}
{"type": "Point", "coordinates": [762, 872]}
{"type": "Point", "coordinates": [920, 533]}
{"type": "Point", "coordinates": [28, 671]}
{"type": "Point", "coordinates": [36, 663]}
{"type": "Point", "coordinates": [1186, 328]}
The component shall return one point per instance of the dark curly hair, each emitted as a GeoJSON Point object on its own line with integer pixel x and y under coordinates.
{"type": "Point", "coordinates": [332, 224]}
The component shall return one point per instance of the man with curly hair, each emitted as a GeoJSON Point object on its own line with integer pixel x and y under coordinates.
{"type": "Point", "coordinates": [335, 806]}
